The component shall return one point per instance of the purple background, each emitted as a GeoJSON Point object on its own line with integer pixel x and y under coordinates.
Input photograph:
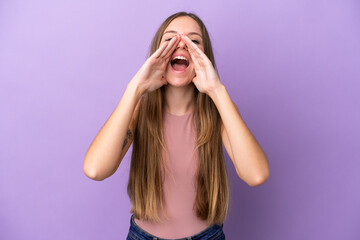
{"type": "Point", "coordinates": [292, 68]}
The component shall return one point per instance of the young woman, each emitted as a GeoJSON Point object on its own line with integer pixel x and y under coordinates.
{"type": "Point", "coordinates": [177, 114]}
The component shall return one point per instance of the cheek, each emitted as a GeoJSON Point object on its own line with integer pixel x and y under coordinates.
{"type": "Point", "coordinates": [201, 46]}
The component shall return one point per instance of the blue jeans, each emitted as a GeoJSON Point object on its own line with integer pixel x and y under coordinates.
{"type": "Point", "coordinates": [214, 232]}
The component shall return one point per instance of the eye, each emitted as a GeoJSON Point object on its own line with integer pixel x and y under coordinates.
{"type": "Point", "coordinates": [168, 39]}
{"type": "Point", "coordinates": [196, 41]}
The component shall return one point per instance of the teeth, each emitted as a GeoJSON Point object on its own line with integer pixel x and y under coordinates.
{"type": "Point", "coordinates": [181, 57]}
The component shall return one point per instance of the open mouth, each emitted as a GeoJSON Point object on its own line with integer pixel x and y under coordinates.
{"type": "Point", "coordinates": [179, 63]}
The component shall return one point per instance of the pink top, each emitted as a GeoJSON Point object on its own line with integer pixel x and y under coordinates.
{"type": "Point", "coordinates": [179, 190]}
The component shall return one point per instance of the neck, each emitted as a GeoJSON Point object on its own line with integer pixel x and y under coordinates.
{"type": "Point", "coordinates": [179, 100]}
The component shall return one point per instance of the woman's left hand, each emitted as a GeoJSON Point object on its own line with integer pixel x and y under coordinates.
{"type": "Point", "coordinates": [206, 79]}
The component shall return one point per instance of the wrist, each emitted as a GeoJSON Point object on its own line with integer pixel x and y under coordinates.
{"type": "Point", "coordinates": [216, 91]}
{"type": "Point", "coordinates": [135, 88]}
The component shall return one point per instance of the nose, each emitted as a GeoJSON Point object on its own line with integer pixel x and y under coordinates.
{"type": "Point", "coordinates": [182, 44]}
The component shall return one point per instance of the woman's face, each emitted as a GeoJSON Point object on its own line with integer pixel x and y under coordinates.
{"type": "Point", "coordinates": [179, 71]}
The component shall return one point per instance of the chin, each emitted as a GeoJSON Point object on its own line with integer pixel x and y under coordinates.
{"type": "Point", "coordinates": [179, 82]}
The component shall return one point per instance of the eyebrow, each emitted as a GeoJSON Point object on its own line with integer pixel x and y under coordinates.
{"type": "Point", "coordinates": [190, 33]}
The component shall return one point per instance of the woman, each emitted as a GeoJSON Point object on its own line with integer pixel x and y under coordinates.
{"type": "Point", "coordinates": [177, 114]}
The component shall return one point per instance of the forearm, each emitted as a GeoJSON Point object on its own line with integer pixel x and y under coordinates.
{"type": "Point", "coordinates": [249, 157]}
{"type": "Point", "coordinates": [103, 155]}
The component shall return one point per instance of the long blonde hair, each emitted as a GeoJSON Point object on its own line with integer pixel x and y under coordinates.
{"type": "Point", "coordinates": [145, 185]}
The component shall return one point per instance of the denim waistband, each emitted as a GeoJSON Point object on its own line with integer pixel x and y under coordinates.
{"type": "Point", "coordinates": [210, 232]}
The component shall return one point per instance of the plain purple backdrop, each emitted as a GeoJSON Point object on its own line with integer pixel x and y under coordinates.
{"type": "Point", "coordinates": [292, 68]}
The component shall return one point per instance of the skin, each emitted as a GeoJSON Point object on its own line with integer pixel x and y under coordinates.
{"type": "Point", "coordinates": [179, 93]}
{"type": "Point", "coordinates": [248, 157]}
{"type": "Point", "coordinates": [104, 155]}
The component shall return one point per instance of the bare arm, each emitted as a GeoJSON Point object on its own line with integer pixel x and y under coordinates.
{"type": "Point", "coordinates": [250, 161]}
{"type": "Point", "coordinates": [115, 137]}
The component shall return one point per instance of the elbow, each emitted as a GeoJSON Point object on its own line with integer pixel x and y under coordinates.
{"type": "Point", "coordinates": [261, 175]}
{"type": "Point", "coordinates": [259, 180]}
{"type": "Point", "coordinates": [91, 173]}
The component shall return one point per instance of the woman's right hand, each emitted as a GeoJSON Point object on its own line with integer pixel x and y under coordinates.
{"type": "Point", "coordinates": [151, 74]}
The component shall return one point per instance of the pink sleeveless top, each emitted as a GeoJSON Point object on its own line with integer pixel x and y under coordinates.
{"type": "Point", "coordinates": [180, 188]}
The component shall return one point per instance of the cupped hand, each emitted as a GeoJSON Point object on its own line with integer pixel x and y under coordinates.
{"type": "Point", "coordinates": [206, 79]}
{"type": "Point", "coordinates": [151, 74]}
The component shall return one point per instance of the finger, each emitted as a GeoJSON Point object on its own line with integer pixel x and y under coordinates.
{"type": "Point", "coordinates": [200, 58]}
{"type": "Point", "coordinates": [173, 47]}
{"type": "Point", "coordinates": [160, 50]}
{"type": "Point", "coordinates": [192, 56]}
{"type": "Point", "coordinates": [170, 46]}
{"type": "Point", "coordinates": [192, 46]}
